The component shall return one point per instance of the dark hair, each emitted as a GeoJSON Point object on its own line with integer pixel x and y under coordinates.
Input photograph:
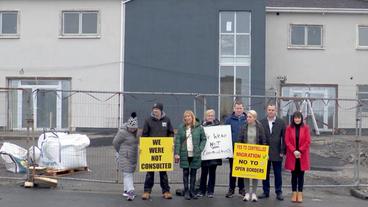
{"type": "Point", "coordinates": [238, 102]}
{"type": "Point", "coordinates": [297, 114]}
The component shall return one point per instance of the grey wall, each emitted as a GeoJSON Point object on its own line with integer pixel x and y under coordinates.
{"type": "Point", "coordinates": [173, 46]}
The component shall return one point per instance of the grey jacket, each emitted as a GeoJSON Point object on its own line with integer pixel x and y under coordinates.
{"type": "Point", "coordinates": [275, 140]}
{"type": "Point", "coordinates": [126, 143]}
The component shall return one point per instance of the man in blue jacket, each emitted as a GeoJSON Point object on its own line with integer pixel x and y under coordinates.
{"type": "Point", "coordinates": [237, 119]}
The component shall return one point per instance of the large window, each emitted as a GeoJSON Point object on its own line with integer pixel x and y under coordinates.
{"type": "Point", "coordinates": [363, 37]}
{"type": "Point", "coordinates": [80, 23]}
{"type": "Point", "coordinates": [8, 24]}
{"type": "Point", "coordinates": [41, 100]}
{"type": "Point", "coordinates": [319, 113]}
{"type": "Point", "coordinates": [306, 36]}
{"type": "Point", "coordinates": [235, 56]}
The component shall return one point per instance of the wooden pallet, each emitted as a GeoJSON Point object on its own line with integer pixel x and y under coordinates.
{"type": "Point", "coordinates": [54, 172]}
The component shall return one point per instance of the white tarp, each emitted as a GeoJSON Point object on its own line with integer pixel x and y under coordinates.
{"type": "Point", "coordinates": [62, 150]}
{"type": "Point", "coordinates": [219, 143]}
{"type": "Point", "coordinates": [14, 157]}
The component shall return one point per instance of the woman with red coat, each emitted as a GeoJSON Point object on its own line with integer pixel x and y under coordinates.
{"type": "Point", "coordinates": [297, 140]}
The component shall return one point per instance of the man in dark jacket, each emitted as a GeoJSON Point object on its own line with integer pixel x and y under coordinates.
{"type": "Point", "coordinates": [237, 120]}
{"type": "Point", "coordinates": [158, 125]}
{"type": "Point", "coordinates": [275, 134]}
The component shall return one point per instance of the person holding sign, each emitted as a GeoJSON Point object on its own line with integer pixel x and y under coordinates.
{"type": "Point", "coordinates": [252, 133]}
{"type": "Point", "coordinates": [190, 141]}
{"type": "Point", "coordinates": [208, 167]}
{"type": "Point", "coordinates": [275, 134]}
{"type": "Point", "coordinates": [297, 140]}
{"type": "Point", "coordinates": [236, 120]}
{"type": "Point", "coordinates": [126, 145]}
{"type": "Point", "coordinates": [158, 125]}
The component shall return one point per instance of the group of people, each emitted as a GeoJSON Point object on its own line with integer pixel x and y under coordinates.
{"type": "Point", "coordinates": [291, 142]}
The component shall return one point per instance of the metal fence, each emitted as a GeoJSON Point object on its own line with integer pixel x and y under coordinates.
{"type": "Point", "coordinates": [338, 126]}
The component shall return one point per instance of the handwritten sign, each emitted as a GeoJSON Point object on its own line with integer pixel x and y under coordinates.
{"type": "Point", "coordinates": [250, 161]}
{"type": "Point", "coordinates": [156, 154]}
{"type": "Point", "coordinates": [219, 143]}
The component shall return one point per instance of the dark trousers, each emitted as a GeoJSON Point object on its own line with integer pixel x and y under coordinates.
{"type": "Point", "coordinates": [189, 187]}
{"type": "Point", "coordinates": [232, 180]}
{"type": "Point", "coordinates": [297, 178]}
{"type": "Point", "coordinates": [211, 172]}
{"type": "Point", "coordinates": [193, 173]}
{"type": "Point", "coordinates": [277, 167]}
{"type": "Point", "coordinates": [164, 182]}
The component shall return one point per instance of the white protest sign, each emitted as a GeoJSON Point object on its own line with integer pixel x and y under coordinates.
{"type": "Point", "coordinates": [219, 143]}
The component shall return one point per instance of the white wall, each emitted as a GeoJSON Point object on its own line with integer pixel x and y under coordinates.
{"type": "Point", "coordinates": [338, 63]}
{"type": "Point", "coordinates": [40, 51]}
{"type": "Point", "coordinates": [92, 64]}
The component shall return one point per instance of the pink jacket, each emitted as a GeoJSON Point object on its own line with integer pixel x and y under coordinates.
{"type": "Point", "coordinates": [304, 143]}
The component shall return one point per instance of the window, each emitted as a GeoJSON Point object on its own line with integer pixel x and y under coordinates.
{"type": "Point", "coordinates": [324, 110]}
{"type": "Point", "coordinates": [235, 56]}
{"type": "Point", "coordinates": [306, 36]}
{"type": "Point", "coordinates": [363, 37]}
{"type": "Point", "coordinates": [8, 24]}
{"type": "Point", "coordinates": [80, 23]}
{"type": "Point", "coordinates": [363, 94]}
{"type": "Point", "coordinates": [41, 100]}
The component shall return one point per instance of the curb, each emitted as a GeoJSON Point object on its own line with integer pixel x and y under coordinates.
{"type": "Point", "coordinates": [358, 193]}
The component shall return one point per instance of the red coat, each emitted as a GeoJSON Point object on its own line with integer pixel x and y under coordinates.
{"type": "Point", "coordinates": [304, 143]}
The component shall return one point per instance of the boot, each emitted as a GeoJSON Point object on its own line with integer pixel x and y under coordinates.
{"type": "Point", "coordinates": [193, 194]}
{"type": "Point", "coordinates": [300, 197]}
{"type": "Point", "coordinates": [294, 197]}
{"type": "Point", "coordinates": [186, 187]}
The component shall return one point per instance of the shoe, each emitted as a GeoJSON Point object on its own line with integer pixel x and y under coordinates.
{"type": "Point", "coordinates": [294, 197]}
{"type": "Point", "coordinates": [299, 198]}
{"type": "Point", "coordinates": [146, 196]}
{"type": "Point", "coordinates": [279, 197]}
{"type": "Point", "coordinates": [263, 195]}
{"type": "Point", "coordinates": [230, 193]}
{"type": "Point", "coordinates": [167, 195]}
{"type": "Point", "coordinates": [200, 195]}
{"type": "Point", "coordinates": [210, 195]}
{"type": "Point", "coordinates": [131, 196]}
{"type": "Point", "coordinates": [125, 193]}
{"type": "Point", "coordinates": [242, 192]}
{"type": "Point", "coordinates": [254, 197]}
{"type": "Point", "coordinates": [187, 195]}
{"type": "Point", "coordinates": [246, 197]}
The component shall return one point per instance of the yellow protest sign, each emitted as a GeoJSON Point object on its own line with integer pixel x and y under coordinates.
{"type": "Point", "coordinates": [156, 154]}
{"type": "Point", "coordinates": [250, 161]}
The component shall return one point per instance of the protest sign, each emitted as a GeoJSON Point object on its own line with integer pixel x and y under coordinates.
{"type": "Point", "coordinates": [156, 154]}
{"type": "Point", "coordinates": [219, 143]}
{"type": "Point", "coordinates": [250, 161]}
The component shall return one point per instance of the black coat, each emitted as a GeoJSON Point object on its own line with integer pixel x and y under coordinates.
{"type": "Point", "coordinates": [207, 163]}
{"type": "Point", "coordinates": [154, 127]}
{"type": "Point", "coordinates": [260, 134]}
{"type": "Point", "coordinates": [276, 140]}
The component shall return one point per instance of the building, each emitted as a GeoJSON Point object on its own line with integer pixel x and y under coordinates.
{"type": "Point", "coordinates": [191, 46]}
{"type": "Point", "coordinates": [58, 45]}
{"type": "Point", "coordinates": [319, 48]}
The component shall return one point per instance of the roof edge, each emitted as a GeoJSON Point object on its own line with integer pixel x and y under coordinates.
{"type": "Point", "coordinates": [316, 10]}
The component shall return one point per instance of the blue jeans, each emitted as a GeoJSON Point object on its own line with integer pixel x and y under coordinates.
{"type": "Point", "coordinates": [277, 167]}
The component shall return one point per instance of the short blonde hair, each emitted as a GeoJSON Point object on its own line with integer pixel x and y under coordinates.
{"type": "Point", "coordinates": [192, 115]}
{"type": "Point", "coordinates": [253, 113]}
{"type": "Point", "coordinates": [209, 111]}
